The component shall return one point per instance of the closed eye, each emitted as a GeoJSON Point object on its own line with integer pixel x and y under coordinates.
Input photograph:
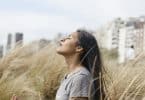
{"type": "Point", "coordinates": [69, 37]}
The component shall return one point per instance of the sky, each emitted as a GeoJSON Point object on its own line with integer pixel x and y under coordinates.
{"type": "Point", "coordinates": [45, 18]}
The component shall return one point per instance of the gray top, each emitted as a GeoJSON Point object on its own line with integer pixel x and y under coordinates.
{"type": "Point", "coordinates": [75, 84]}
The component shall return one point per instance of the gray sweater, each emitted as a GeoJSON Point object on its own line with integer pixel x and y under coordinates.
{"type": "Point", "coordinates": [75, 84]}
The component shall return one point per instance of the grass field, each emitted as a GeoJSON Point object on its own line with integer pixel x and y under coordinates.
{"type": "Point", "coordinates": [34, 73]}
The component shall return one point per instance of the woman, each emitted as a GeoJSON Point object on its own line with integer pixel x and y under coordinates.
{"type": "Point", "coordinates": [84, 80]}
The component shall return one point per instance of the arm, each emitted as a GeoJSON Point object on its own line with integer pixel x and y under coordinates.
{"type": "Point", "coordinates": [79, 98]}
{"type": "Point", "coordinates": [14, 97]}
{"type": "Point", "coordinates": [80, 87]}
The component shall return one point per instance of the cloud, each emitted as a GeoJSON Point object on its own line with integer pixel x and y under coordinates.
{"type": "Point", "coordinates": [35, 26]}
{"type": "Point", "coordinates": [122, 8]}
{"type": "Point", "coordinates": [80, 8]}
{"type": "Point", "coordinates": [53, 16]}
{"type": "Point", "coordinates": [45, 18]}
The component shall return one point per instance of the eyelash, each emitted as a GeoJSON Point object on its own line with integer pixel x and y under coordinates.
{"type": "Point", "coordinates": [68, 38]}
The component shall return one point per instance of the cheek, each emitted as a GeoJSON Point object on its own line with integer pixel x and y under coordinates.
{"type": "Point", "coordinates": [66, 48]}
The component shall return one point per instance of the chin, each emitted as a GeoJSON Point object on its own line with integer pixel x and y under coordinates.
{"type": "Point", "coordinates": [59, 51]}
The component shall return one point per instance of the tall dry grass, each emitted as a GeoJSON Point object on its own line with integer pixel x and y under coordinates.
{"type": "Point", "coordinates": [33, 72]}
{"type": "Point", "coordinates": [125, 81]}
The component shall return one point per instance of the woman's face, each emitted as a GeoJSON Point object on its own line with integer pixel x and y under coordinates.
{"type": "Point", "coordinates": [67, 45]}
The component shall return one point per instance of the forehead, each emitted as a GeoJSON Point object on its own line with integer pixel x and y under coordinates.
{"type": "Point", "coordinates": [74, 34]}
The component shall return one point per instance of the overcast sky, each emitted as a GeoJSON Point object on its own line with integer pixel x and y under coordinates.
{"type": "Point", "coordinates": [45, 18]}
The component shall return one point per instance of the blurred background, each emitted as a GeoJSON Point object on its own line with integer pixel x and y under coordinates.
{"type": "Point", "coordinates": [37, 19]}
{"type": "Point", "coordinates": [29, 30]}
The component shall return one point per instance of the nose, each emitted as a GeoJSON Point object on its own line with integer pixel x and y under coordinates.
{"type": "Point", "coordinates": [61, 41]}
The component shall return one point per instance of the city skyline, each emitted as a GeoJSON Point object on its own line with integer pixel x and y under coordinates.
{"type": "Point", "coordinates": [38, 19]}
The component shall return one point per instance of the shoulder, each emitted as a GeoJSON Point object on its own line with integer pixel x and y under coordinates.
{"type": "Point", "coordinates": [80, 84]}
{"type": "Point", "coordinates": [82, 76]}
{"type": "Point", "coordinates": [83, 72]}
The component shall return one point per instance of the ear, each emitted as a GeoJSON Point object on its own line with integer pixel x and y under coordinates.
{"type": "Point", "coordinates": [79, 49]}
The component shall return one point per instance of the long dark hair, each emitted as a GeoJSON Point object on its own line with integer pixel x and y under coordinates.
{"type": "Point", "coordinates": [91, 59]}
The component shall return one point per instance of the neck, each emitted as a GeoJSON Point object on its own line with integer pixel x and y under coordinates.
{"type": "Point", "coordinates": [73, 62]}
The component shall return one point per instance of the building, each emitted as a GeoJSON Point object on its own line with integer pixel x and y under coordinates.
{"type": "Point", "coordinates": [13, 40]}
{"type": "Point", "coordinates": [109, 34]}
{"type": "Point", "coordinates": [122, 35]}
{"type": "Point", "coordinates": [131, 36]}
{"type": "Point", "coordinates": [1, 51]}
{"type": "Point", "coordinates": [18, 38]}
{"type": "Point", "coordinates": [9, 42]}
